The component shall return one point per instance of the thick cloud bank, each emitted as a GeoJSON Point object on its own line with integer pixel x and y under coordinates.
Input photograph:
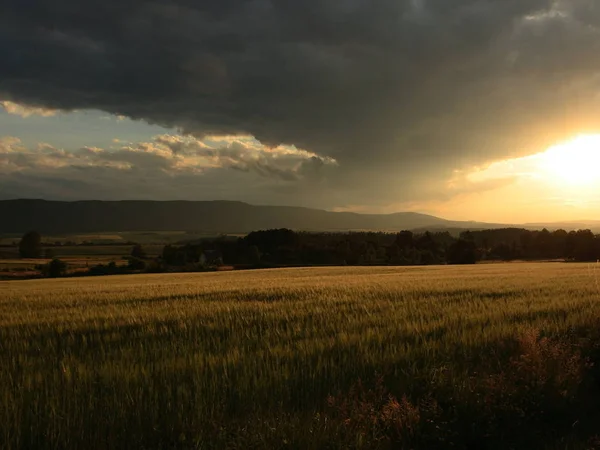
{"type": "Point", "coordinates": [398, 92]}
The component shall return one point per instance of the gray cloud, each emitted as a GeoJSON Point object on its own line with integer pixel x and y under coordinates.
{"type": "Point", "coordinates": [25, 111]}
{"type": "Point", "coordinates": [171, 154]}
{"type": "Point", "coordinates": [169, 167]}
{"type": "Point", "coordinates": [399, 92]}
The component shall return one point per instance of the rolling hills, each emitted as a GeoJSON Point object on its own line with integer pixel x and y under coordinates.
{"type": "Point", "coordinates": [218, 216]}
{"type": "Point", "coordinates": [18, 216]}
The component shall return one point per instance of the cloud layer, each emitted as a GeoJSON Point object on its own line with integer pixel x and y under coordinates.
{"type": "Point", "coordinates": [398, 92]}
{"type": "Point", "coordinates": [170, 166]}
{"type": "Point", "coordinates": [26, 111]}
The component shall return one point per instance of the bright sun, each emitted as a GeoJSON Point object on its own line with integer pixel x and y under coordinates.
{"type": "Point", "coordinates": [576, 162]}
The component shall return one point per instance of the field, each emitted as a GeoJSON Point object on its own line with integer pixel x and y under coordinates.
{"type": "Point", "coordinates": [18, 268]}
{"type": "Point", "coordinates": [82, 251]}
{"type": "Point", "coordinates": [89, 251]}
{"type": "Point", "coordinates": [144, 238]}
{"type": "Point", "coordinates": [485, 356]}
{"type": "Point", "coordinates": [78, 258]}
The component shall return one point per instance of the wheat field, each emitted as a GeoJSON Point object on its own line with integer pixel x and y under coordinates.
{"type": "Point", "coordinates": [253, 359]}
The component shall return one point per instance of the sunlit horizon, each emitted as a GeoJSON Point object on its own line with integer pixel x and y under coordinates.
{"type": "Point", "coordinates": [575, 162]}
{"type": "Point", "coordinates": [558, 184]}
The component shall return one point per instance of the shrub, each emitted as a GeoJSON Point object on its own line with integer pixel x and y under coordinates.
{"type": "Point", "coordinates": [136, 263]}
{"type": "Point", "coordinates": [56, 268]}
{"type": "Point", "coordinates": [373, 417]}
{"type": "Point", "coordinates": [138, 252]}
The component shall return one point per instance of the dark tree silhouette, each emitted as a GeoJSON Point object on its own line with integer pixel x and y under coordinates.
{"type": "Point", "coordinates": [462, 252]}
{"type": "Point", "coordinates": [31, 245]}
{"type": "Point", "coordinates": [138, 252]}
{"type": "Point", "coordinates": [57, 268]}
{"type": "Point", "coordinates": [136, 263]}
{"type": "Point", "coordinates": [253, 255]}
{"type": "Point", "coordinates": [404, 240]}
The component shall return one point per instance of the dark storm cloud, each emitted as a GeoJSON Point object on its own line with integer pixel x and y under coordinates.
{"type": "Point", "coordinates": [391, 89]}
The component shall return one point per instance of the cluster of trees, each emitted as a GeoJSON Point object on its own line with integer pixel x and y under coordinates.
{"type": "Point", "coordinates": [284, 247]}
{"type": "Point", "coordinates": [517, 243]}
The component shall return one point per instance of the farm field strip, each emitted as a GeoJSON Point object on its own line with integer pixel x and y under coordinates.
{"type": "Point", "coordinates": [171, 352]}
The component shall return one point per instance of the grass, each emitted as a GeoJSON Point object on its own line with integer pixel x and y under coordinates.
{"type": "Point", "coordinates": [272, 359]}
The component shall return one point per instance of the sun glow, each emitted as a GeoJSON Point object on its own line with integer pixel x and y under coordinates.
{"type": "Point", "coordinates": [575, 162]}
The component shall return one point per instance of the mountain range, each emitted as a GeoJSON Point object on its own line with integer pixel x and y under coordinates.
{"type": "Point", "coordinates": [17, 216]}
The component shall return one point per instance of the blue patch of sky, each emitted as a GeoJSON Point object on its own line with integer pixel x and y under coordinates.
{"type": "Point", "coordinates": [77, 129]}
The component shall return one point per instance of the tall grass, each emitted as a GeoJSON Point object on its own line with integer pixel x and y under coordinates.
{"type": "Point", "coordinates": [272, 358]}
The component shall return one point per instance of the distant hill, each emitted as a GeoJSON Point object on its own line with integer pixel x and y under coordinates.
{"type": "Point", "coordinates": [216, 216]}
{"type": "Point", "coordinates": [17, 216]}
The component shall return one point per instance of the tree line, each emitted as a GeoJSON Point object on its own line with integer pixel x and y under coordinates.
{"type": "Point", "coordinates": [284, 247]}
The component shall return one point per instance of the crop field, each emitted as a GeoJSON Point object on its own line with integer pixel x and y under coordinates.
{"type": "Point", "coordinates": [484, 356]}
{"type": "Point", "coordinates": [18, 268]}
{"type": "Point", "coordinates": [69, 251]}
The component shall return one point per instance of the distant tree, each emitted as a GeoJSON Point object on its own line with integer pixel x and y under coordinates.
{"type": "Point", "coordinates": [136, 263]}
{"type": "Point", "coordinates": [504, 252]}
{"type": "Point", "coordinates": [57, 268]}
{"type": "Point", "coordinates": [31, 245]}
{"type": "Point", "coordinates": [49, 253]}
{"type": "Point", "coordinates": [527, 244]}
{"type": "Point", "coordinates": [404, 240]}
{"type": "Point", "coordinates": [427, 257]}
{"type": "Point", "coordinates": [426, 242]}
{"type": "Point", "coordinates": [582, 245]}
{"type": "Point", "coordinates": [468, 235]}
{"type": "Point", "coordinates": [138, 252]}
{"type": "Point", "coordinates": [462, 252]}
{"type": "Point", "coordinates": [370, 254]}
{"type": "Point", "coordinates": [393, 254]}
{"type": "Point", "coordinates": [253, 254]}
{"type": "Point", "coordinates": [559, 242]}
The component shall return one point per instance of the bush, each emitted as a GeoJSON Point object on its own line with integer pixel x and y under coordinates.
{"type": "Point", "coordinates": [110, 269]}
{"type": "Point", "coordinates": [374, 418]}
{"type": "Point", "coordinates": [138, 252]}
{"type": "Point", "coordinates": [136, 263]}
{"type": "Point", "coordinates": [542, 389]}
{"type": "Point", "coordinates": [56, 268]}
{"type": "Point", "coordinates": [155, 267]}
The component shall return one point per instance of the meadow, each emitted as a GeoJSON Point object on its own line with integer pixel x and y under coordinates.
{"type": "Point", "coordinates": [483, 356]}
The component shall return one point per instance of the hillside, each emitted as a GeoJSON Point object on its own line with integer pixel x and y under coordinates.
{"type": "Point", "coordinates": [218, 216]}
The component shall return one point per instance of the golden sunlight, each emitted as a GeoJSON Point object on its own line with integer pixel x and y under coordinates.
{"type": "Point", "coordinates": [575, 162]}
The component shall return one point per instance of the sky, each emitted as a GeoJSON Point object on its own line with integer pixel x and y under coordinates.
{"type": "Point", "coordinates": [467, 109]}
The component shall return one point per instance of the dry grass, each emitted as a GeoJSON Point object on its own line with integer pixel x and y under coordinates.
{"type": "Point", "coordinates": [250, 358]}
